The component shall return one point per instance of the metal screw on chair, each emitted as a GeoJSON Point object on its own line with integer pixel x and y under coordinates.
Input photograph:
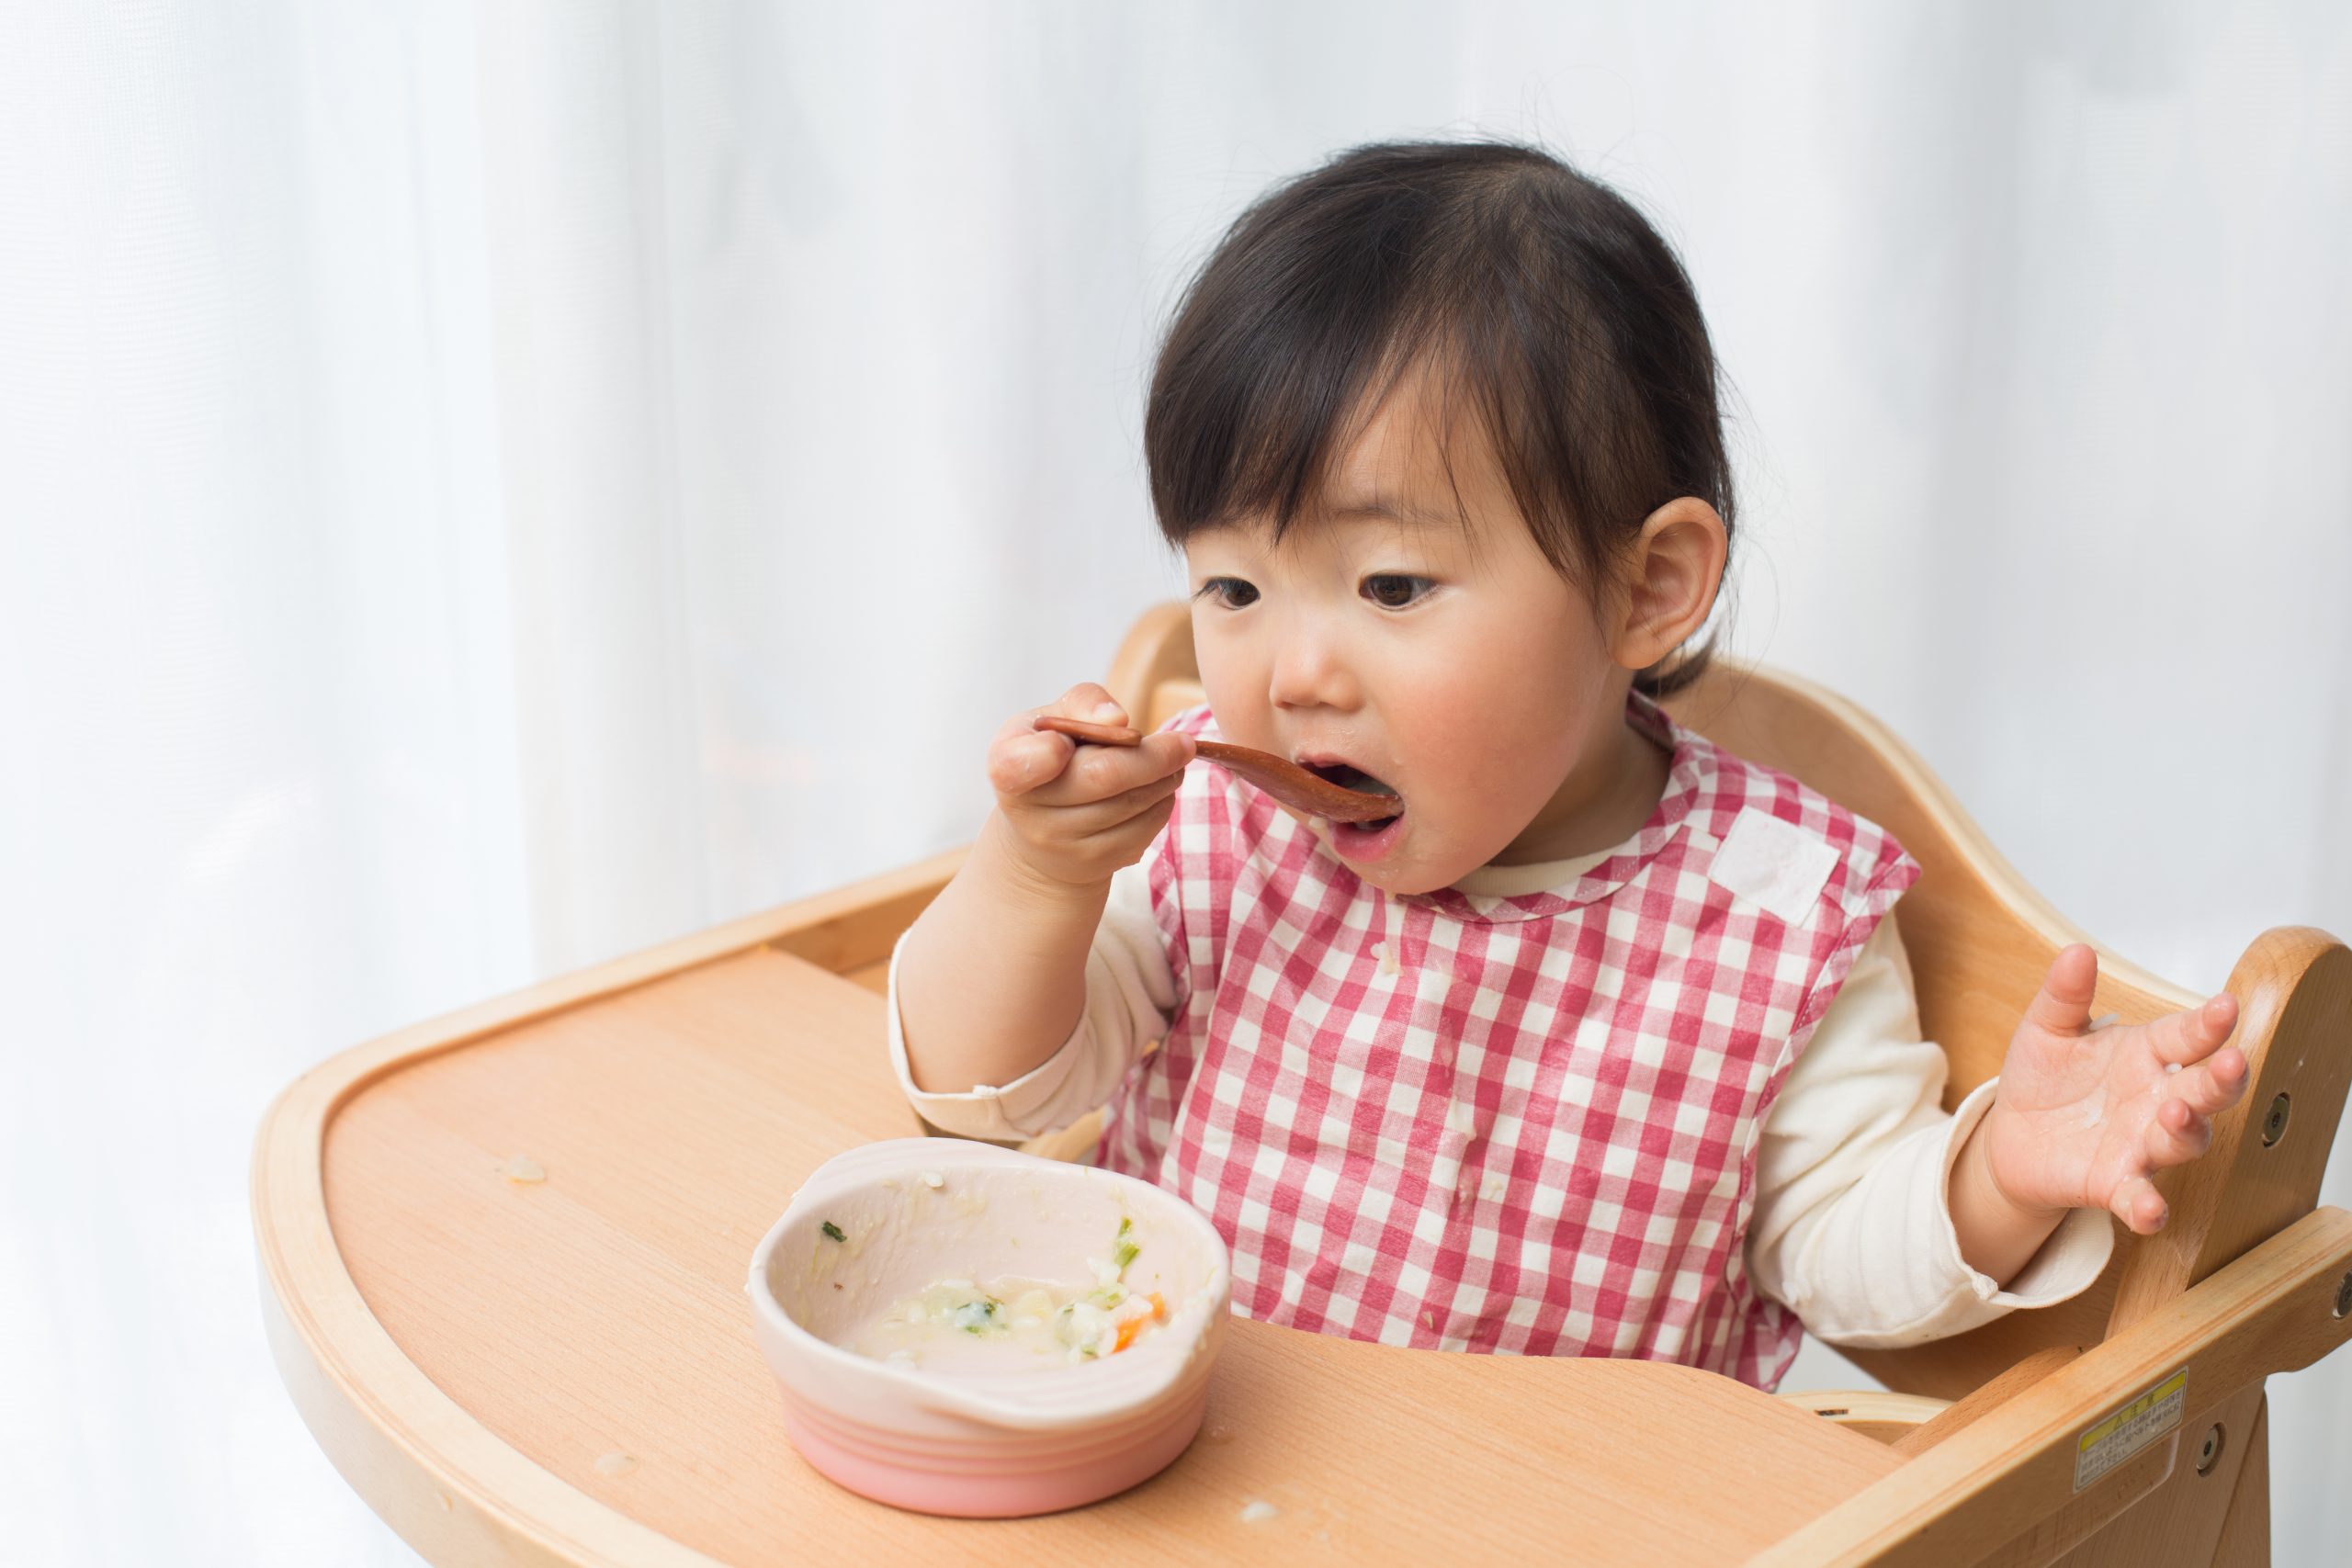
{"type": "Point", "coordinates": [2275, 1122]}
{"type": "Point", "coordinates": [2212, 1449]}
{"type": "Point", "coordinates": [2344, 1295]}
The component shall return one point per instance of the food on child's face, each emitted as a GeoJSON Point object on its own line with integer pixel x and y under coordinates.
{"type": "Point", "coordinates": [1011, 1321]}
{"type": "Point", "coordinates": [1288, 783]}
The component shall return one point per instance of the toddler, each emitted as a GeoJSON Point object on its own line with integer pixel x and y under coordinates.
{"type": "Point", "coordinates": [1602, 1044]}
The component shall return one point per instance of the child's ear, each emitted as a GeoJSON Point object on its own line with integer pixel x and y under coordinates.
{"type": "Point", "coordinates": [1667, 583]}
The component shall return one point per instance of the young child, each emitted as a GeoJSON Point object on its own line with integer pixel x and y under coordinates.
{"type": "Point", "coordinates": [1604, 1043]}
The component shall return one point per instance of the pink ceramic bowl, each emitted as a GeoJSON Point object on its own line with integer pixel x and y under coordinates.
{"type": "Point", "coordinates": [1026, 1440]}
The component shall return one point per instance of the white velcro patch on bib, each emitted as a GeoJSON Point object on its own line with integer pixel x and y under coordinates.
{"type": "Point", "coordinates": [1777, 864]}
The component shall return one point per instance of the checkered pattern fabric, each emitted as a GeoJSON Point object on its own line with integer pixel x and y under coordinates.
{"type": "Point", "coordinates": [1522, 1124]}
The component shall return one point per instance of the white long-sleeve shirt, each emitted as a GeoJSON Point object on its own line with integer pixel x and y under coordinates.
{"type": "Point", "coordinates": [1851, 1228]}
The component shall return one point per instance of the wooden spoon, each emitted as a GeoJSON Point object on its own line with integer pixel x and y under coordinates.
{"type": "Point", "coordinates": [1278, 776]}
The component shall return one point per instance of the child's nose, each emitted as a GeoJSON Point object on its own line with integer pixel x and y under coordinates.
{"type": "Point", "coordinates": [1311, 671]}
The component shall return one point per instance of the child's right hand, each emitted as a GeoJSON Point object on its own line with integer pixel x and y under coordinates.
{"type": "Point", "coordinates": [1075, 814]}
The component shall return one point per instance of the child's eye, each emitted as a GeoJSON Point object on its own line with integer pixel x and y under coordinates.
{"type": "Point", "coordinates": [1395, 591]}
{"type": "Point", "coordinates": [1229, 592]}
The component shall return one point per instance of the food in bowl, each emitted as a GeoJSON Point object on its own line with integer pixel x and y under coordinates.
{"type": "Point", "coordinates": [893, 1300]}
{"type": "Point", "coordinates": [956, 1325]}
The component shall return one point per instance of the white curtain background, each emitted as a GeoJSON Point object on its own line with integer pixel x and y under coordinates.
{"type": "Point", "coordinates": [485, 490]}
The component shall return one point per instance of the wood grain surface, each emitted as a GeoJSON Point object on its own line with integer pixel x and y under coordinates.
{"type": "Point", "coordinates": [600, 1311]}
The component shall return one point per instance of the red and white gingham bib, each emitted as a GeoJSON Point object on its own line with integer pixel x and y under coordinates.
{"type": "Point", "coordinates": [1524, 1124]}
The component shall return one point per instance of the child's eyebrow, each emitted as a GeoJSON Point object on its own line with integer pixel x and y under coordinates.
{"type": "Point", "coordinates": [1394, 511]}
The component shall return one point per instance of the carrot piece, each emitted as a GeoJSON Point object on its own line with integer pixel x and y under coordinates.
{"type": "Point", "coordinates": [1159, 1307]}
{"type": "Point", "coordinates": [1126, 1333]}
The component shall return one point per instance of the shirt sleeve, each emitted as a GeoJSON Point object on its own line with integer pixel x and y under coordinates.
{"type": "Point", "coordinates": [1130, 1001]}
{"type": "Point", "coordinates": [1852, 1226]}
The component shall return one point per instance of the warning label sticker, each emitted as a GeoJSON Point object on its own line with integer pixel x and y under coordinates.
{"type": "Point", "coordinates": [2130, 1429]}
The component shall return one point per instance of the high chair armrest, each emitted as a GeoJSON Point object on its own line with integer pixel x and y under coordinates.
{"type": "Point", "coordinates": [2269, 1151]}
{"type": "Point", "coordinates": [2004, 1488]}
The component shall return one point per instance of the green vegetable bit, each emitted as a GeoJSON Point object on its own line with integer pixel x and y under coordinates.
{"type": "Point", "coordinates": [1125, 1254]}
{"type": "Point", "coordinates": [1125, 1225]}
{"type": "Point", "coordinates": [834, 1231]}
{"type": "Point", "coordinates": [979, 1316]}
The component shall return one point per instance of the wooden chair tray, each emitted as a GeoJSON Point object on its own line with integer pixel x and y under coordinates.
{"type": "Point", "coordinates": [474, 1351]}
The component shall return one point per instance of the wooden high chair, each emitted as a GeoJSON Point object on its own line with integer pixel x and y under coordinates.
{"type": "Point", "coordinates": [503, 1253]}
{"type": "Point", "coordinates": [1979, 941]}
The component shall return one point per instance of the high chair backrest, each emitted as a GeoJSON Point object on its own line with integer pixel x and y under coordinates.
{"type": "Point", "coordinates": [1980, 942]}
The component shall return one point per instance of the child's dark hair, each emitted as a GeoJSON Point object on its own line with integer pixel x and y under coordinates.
{"type": "Point", "coordinates": [1540, 292]}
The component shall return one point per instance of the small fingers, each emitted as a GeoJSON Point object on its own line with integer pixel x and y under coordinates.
{"type": "Point", "coordinates": [2177, 1133]}
{"type": "Point", "coordinates": [1096, 774]}
{"type": "Point", "coordinates": [2137, 1203]}
{"type": "Point", "coordinates": [1093, 820]}
{"type": "Point", "coordinates": [1023, 757]}
{"type": "Point", "coordinates": [1170, 750]}
{"type": "Point", "coordinates": [1091, 703]}
{"type": "Point", "coordinates": [1020, 763]}
{"type": "Point", "coordinates": [2063, 1006]}
{"type": "Point", "coordinates": [2193, 1033]}
{"type": "Point", "coordinates": [2215, 1084]}
{"type": "Point", "coordinates": [1129, 804]}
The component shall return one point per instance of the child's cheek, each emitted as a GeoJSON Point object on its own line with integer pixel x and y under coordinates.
{"type": "Point", "coordinates": [1225, 683]}
{"type": "Point", "coordinates": [1459, 767]}
{"type": "Point", "coordinates": [1467, 726]}
{"type": "Point", "coordinates": [1493, 765]}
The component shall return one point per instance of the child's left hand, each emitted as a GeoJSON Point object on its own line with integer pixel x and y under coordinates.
{"type": "Point", "coordinates": [2084, 1117]}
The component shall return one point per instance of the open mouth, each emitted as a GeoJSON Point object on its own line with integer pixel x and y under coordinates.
{"type": "Point", "coordinates": [1349, 776]}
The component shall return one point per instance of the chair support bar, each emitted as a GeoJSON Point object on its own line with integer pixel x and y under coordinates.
{"type": "Point", "coordinates": [2010, 1472]}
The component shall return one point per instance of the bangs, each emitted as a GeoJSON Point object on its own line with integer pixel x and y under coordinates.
{"type": "Point", "coordinates": [1281, 355]}
{"type": "Point", "coordinates": [1537, 303]}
